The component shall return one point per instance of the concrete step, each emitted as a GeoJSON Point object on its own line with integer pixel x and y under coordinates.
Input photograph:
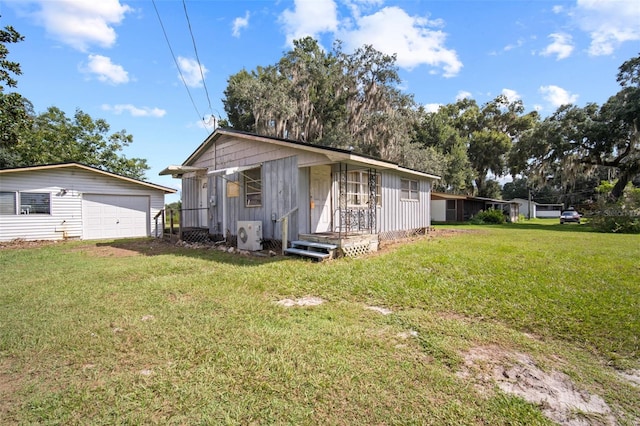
{"type": "Point", "coordinates": [307, 253]}
{"type": "Point", "coordinates": [313, 244]}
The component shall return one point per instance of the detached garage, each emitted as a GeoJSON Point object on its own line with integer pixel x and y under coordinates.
{"type": "Point", "coordinates": [72, 200]}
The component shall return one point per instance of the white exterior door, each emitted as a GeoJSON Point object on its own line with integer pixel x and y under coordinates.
{"type": "Point", "coordinates": [203, 213]}
{"type": "Point", "coordinates": [114, 216]}
{"type": "Point", "coordinates": [320, 202]}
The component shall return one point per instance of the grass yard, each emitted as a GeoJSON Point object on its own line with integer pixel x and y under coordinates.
{"type": "Point", "coordinates": [441, 330]}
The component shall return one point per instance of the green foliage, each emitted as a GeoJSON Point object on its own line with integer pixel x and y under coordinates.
{"type": "Point", "coordinates": [518, 188]}
{"type": "Point", "coordinates": [489, 216]}
{"type": "Point", "coordinates": [348, 101]}
{"type": "Point", "coordinates": [56, 138]}
{"type": "Point", "coordinates": [621, 216]}
{"type": "Point", "coordinates": [15, 110]}
{"type": "Point", "coordinates": [575, 142]}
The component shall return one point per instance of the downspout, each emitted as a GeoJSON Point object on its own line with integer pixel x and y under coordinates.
{"type": "Point", "coordinates": [224, 208]}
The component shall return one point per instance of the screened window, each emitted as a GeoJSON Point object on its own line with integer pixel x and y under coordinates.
{"type": "Point", "coordinates": [7, 203]}
{"type": "Point", "coordinates": [408, 189]}
{"type": "Point", "coordinates": [358, 188]}
{"type": "Point", "coordinates": [451, 204]}
{"type": "Point", "coordinates": [253, 187]}
{"type": "Point", "coordinates": [35, 203]}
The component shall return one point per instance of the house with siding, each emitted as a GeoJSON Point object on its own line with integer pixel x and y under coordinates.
{"type": "Point", "coordinates": [534, 209]}
{"type": "Point", "coordinates": [71, 200]}
{"type": "Point", "coordinates": [452, 208]}
{"type": "Point", "coordinates": [236, 183]}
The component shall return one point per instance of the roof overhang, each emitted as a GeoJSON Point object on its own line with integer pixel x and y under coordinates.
{"type": "Point", "coordinates": [178, 171]}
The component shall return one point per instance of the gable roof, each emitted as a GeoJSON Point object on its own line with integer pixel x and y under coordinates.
{"type": "Point", "coordinates": [91, 169]}
{"type": "Point", "coordinates": [336, 154]}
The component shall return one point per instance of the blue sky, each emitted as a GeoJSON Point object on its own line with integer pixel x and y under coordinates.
{"type": "Point", "coordinates": [110, 58]}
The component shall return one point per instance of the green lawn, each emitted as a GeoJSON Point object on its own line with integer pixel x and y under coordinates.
{"type": "Point", "coordinates": [139, 332]}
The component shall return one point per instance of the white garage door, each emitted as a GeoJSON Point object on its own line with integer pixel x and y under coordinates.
{"type": "Point", "coordinates": [114, 216]}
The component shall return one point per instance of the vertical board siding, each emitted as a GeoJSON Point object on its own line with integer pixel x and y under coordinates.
{"type": "Point", "coordinates": [65, 220]}
{"type": "Point", "coordinates": [397, 214]}
{"type": "Point", "coordinates": [279, 197]}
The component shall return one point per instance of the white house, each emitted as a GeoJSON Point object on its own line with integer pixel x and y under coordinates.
{"type": "Point", "coordinates": [235, 177]}
{"type": "Point", "coordinates": [539, 210]}
{"type": "Point", "coordinates": [71, 200]}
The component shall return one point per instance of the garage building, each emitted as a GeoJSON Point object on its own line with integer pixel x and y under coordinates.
{"type": "Point", "coordinates": [71, 200]}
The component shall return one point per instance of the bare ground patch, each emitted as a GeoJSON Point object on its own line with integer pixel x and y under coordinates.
{"type": "Point", "coordinates": [11, 383]}
{"type": "Point", "coordinates": [303, 301]}
{"type": "Point", "coordinates": [554, 392]}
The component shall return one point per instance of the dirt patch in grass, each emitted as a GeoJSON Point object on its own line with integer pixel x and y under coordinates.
{"type": "Point", "coordinates": [632, 377]}
{"type": "Point", "coordinates": [128, 248]}
{"type": "Point", "coordinates": [553, 392]}
{"type": "Point", "coordinates": [303, 301]}
{"type": "Point", "coordinates": [10, 384]}
{"type": "Point", "coordinates": [23, 244]}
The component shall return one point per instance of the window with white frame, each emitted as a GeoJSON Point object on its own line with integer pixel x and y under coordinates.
{"type": "Point", "coordinates": [409, 189]}
{"type": "Point", "coordinates": [358, 188]}
{"type": "Point", "coordinates": [28, 203]}
{"type": "Point", "coordinates": [253, 187]}
{"type": "Point", "coordinates": [7, 203]}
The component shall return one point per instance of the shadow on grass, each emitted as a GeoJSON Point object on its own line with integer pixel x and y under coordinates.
{"type": "Point", "coordinates": [158, 247]}
{"type": "Point", "coordinates": [567, 227]}
{"type": "Point", "coordinates": [543, 225]}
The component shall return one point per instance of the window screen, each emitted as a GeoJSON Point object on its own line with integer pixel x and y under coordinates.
{"type": "Point", "coordinates": [35, 203]}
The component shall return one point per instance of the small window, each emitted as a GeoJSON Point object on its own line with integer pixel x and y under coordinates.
{"type": "Point", "coordinates": [408, 189]}
{"type": "Point", "coordinates": [7, 203]}
{"type": "Point", "coordinates": [358, 190]}
{"type": "Point", "coordinates": [35, 203]}
{"type": "Point", "coordinates": [253, 187]}
{"type": "Point", "coordinates": [451, 204]}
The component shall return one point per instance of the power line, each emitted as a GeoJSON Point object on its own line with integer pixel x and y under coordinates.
{"type": "Point", "coordinates": [184, 4]}
{"type": "Point", "coordinates": [184, 82]}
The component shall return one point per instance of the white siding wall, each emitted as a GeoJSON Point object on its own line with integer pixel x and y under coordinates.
{"type": "Point", "coordinates": [439, 210]}
{"type": "Point", "coordinates": [65, 220]}
{"type": "Point", "coordinates": [397, 214]}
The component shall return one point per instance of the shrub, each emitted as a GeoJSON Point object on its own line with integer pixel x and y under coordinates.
{"type": "Point", "coordinates": [622, 216]}
{"type": "Point", "coordinates": [491, 216]}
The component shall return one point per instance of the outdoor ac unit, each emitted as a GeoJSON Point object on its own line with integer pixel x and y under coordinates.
{"type": "Point", "coordinates": [250, 235]}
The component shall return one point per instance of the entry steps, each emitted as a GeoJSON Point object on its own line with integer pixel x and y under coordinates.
{"type": "Point", "coordinates": [312, 249]}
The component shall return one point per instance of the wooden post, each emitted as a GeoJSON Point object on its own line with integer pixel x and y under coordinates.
{"type": "Point", "coordinates": [285, 237]}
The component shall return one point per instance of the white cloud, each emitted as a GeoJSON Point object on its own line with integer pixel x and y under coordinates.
{"type": "Point", "coordinates": [463, 94]}
{"type": "Point", "coordinates": [105, 70]}
{"type": "Point", "coordinates": [240, 24]}
{"type": "Point", "coordinates": [557, 9]}
{"type": "Point", "coordinates": [511, 95]}
{"type": "Point", "coordinates": [309, 18]}
{"type": "Point", "coordinates": [557, 96]}
{"type": "Point", "coordinates": [412, 38]}
{"type": "Point", "coordinates": [82, 23]}
{"type": "Point", "coordinates": [562, 46]}
{"type": "Point", "coordinates": [134, 110]}
{"type": "Point", "coordinates": [415, 40]}
{"type": "Point", "coordinates": [191, 72]}
{"type": "Point", "coordinates": [609, 23]}
{"type": "Point", "coordinates": [518, 43]}
{"type": "Point", "coordinates": [432, 107]}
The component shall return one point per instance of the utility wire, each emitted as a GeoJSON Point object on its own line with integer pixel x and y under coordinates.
{"type": "Point", "coordinates": [184, 4]}
{"type": "Point", "coordinates": [184, 82]}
